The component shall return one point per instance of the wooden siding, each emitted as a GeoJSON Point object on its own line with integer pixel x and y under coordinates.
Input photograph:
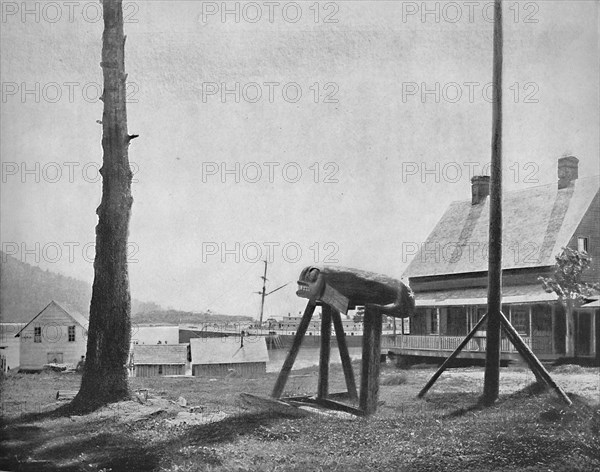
{"type": "Point", "coordinates": [247, 369]}
{"type": "Point", "coordinates": [154, 370]}
{"type": "Point", "coordinates": [10, 345]}
{"type": "Point", "coordinates": [588, 228]}
{"type": "Point", "coordinates": [54, 324]}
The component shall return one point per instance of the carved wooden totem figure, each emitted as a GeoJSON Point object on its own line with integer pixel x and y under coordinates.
{"type": "Point", "coordinates": [337, 289]}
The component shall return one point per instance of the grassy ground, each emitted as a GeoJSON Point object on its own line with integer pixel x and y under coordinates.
{"type": "Point", "coordinates": [525, 431]}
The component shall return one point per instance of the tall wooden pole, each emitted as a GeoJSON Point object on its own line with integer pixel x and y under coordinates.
{"type": "Point", "coordinates": [492, 360]}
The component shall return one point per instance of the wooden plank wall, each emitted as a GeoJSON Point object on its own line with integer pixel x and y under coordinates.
{"type": "Point", "coordinates": [55, 338]}
{"type": "Point", "coordinates": [152, 370]}
{"type": "Point", "coordinates": [248, 369]}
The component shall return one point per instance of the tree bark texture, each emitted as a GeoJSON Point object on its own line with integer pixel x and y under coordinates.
{"type": "Point", "coordinates": [105, 376]}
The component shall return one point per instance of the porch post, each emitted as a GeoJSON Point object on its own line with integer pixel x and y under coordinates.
{"type": "Point", "coordinates": [593, 349]}
{"type": "Point", "coordinates": [530, 329]}
{"type": "Point", "coordinates": [511, 347]}
{"type": "Point", "coordinates": [439, 327]}
{"type": "Point", "coordinates": [553, 325]}
{"type": "Point", "coordinates": [597, 332]}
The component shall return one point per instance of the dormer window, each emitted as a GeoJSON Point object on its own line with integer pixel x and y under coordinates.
{"type": "Point", "coordinates": [582, 244]}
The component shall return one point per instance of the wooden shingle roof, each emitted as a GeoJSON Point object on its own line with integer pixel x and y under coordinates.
{"type": "Point", "coordinates": [159, 354]}
{"type": "Point", "coordinates": [228, 350]}
{"type": "Point", "coordinates": [537, 223]}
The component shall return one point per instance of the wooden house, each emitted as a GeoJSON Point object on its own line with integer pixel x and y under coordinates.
{"type": "Point", "coordinates": [151, 360]}
{"type": "Point", "coordinates": [216, 357]}
{"type": "Point", "coordinates": [10, 345]}
{"type": "Point", "coordinates": [55, 335]}
{"type": "Point", "coordinates": [449, 271]}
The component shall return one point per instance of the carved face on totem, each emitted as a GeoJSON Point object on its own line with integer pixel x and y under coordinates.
{"type": "Point", "coordinates": [310, 283]}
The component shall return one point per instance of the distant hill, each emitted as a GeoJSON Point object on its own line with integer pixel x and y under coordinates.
{"type": "Point", "coordinates": [26, 289]}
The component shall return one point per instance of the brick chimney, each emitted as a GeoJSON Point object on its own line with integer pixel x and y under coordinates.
{"type": "Point", "coordinates": [480, 188]}
{"type": "Point", "coordinates": [568, 171]}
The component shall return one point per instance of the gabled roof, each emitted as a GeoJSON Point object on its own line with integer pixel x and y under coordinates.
{"type": "Point", "coordinates": [537, 223]}
{"type": "Point", "coordinates": [228, 350]}
{"type": "Point", "coordinates": [160, 354]}
{"type": "Point", "coordinates": [76, 316]}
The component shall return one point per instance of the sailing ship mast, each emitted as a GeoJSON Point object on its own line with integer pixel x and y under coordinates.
{"type": "Point", "coordinates": [263, 293]}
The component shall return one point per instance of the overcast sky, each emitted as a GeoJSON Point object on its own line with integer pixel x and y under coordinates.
{"type": "Point", "coordinates": [346, 129]}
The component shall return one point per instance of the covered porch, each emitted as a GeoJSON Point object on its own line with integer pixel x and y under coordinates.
{"type": "Point", "coordinates": [444, 318]}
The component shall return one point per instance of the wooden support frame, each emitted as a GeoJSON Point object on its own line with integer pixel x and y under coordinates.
{"type": "Point", "coordinates": [541, 374]}
{"type": "Point", "coordinates": [327, 403]}
{"type": "Point", "coordinates": [371, 361]}
{"type": "Point", "coordinates": [291, 357]}
{"type": "Point", "coordinates": [324, 355]}
{"type": "Point", "coordinates": [456, 352]}
{"type": "Point", "coordinates": [535, 365]}
{"type": "Point", "coordinates": [344, 355]}
{"type": "Point", "coordinates": [370, 369]}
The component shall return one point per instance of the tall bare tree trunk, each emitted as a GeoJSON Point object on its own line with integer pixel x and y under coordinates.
{"type": "Point", "coordinates": [105, 375]}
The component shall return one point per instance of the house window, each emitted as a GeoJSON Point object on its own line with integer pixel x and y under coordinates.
{"type": "Point", "coordinates": [419, 321]}
{"type": "Point", "coordinates": [475, 315]}
{"type": "Point", "coordinates": [405, 325]}
{"type": "Point", "coordinates": [71, 334]}
{"type": "Point", "coordinates": [37, 334]}
{"type": "Point", "coordinates": [457, 321]}
{"type": "Point", "coordinates": [582, 244]}
{"type": "Point", "coordinates": [434, 321]}
{"type": "Point", "coordinates": [520, 320]}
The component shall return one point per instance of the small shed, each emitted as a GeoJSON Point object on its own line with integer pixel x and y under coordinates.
{"type": "Point", "coordinates": [152, 360]}
{"type": "Point", "coordinates": [216, 357]}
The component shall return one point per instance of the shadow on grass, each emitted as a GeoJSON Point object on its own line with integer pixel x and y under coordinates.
{"type": "Point", "coordinates": [230, 428]}
{"type": "Point", "coordinates": [106, 443]}
{"type": "Point", "coordinates": [35, 417]}
{"type": "Point", "coordinates": [464, 410]}
{"type": "Point", "coordinates": [62, 411]}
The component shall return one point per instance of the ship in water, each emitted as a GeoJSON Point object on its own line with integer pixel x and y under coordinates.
{"type": "Point", "coordinates": [280, 333]}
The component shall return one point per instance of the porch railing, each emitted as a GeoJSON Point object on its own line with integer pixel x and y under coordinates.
{"type": "Point", "coordinates": [450, 343]}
